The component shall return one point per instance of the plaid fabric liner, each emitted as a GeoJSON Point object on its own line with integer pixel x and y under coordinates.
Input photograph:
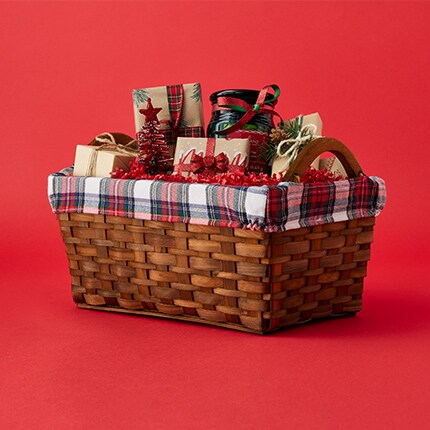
{"type": "Point", "coordinates": [284, 207]}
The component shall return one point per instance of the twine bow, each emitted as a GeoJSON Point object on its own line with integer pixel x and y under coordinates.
{"type": "Point", "coordinates": [108, 142]}
{"type": "Point", "coordinates": [297, 142]}
{"type": "Point", "coordinates": [261, 106]}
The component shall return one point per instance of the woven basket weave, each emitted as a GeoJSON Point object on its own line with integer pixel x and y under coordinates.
{"type": "Point", "coordinates": [246, 280]}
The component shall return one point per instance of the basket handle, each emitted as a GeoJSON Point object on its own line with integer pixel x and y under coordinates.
{"type": "Point", "coordinates": [318, 146]}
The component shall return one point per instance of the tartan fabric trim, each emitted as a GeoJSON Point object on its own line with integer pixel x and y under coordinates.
{"type": "Point", "coordinates": [284, 207]}
{"type": "Point", "coordinates": [178, 127]}
{"type": "Point", "coordinates": [291, 205]}
{"type": "Point", "coordinates": [317, 202]}
{"type": "Point", "coordinates": [175, 98]}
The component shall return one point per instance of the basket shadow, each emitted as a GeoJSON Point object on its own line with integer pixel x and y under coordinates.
{"type": "Point", "coordinates": [382, 316]}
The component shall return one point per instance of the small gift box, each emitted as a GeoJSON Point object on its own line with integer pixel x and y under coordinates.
{"type": "Point", "coordinates": [210, 156]}
{"type": "Point", "coordinates": [181, 113]}
{"type": "Point", "coordinates": [288, 149]}
{"type": "Point", "coordinates": [333, 165]}
{"type": "Point", "coordinates": [104, 154]}
{"type": "Point", "coordinates": [257, 140]}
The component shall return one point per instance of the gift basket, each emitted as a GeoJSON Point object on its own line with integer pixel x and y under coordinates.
{"type": "Point", "coordinates": [206, 236]}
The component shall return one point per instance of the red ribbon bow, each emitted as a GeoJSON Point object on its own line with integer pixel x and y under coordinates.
{"type": "Point", "coordinates": [209, 164]}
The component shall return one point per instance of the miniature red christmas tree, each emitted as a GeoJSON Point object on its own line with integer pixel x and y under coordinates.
{"type": "Point", "coordinates": [154, 157]}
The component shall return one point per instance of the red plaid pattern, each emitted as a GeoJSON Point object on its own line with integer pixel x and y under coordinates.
{"type": "Point", "coordinates": [318, 202]}
{"type": "Point", "coordinates": [362, 197]}
{"type": "Point", "coordinates": [291, 205]}
{"type": "Point", "coordinates": [278, 208]}
{"type": "Point", "coordinates": [175, 97]}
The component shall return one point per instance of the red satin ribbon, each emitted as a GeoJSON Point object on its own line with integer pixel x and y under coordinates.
{"type": "Point", "coordinates": [223, 103]}
{"type": "Point", "coordinates": [209, 164]}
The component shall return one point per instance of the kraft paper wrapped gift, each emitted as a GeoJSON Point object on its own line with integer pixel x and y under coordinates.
{"type": "Point", "coordinates": [210, 155]}
{"type": "Point", "coordinates": [181, 113]}
{"type": "Point", "coordinates": [103, 155]}
{"type": "Point", "coordinates": [333, 165]}
{"type": "Point", "coordinates": [257, 140]}
{"type": "Point", "coordinates": [281, 164]}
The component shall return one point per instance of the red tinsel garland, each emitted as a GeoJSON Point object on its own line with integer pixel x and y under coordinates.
{"type": "Point", "coordinates": [137, 171]}
{"type": "Point", "coordinates": [312, 176]}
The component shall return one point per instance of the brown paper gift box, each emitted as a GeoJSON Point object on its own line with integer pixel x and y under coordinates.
{"type": "Point", "coordinates": [104, 154]}
{"type": "Point", "coordinates": [280, 164]}
{"type": "Point", "coordinates": [91, 161]}
{"type": "Point", "coordinates": [333, 165]}
{"type": "Point", "coordinates": [188, 115]}
{"type": "Point", "coordinates": [257, 140]}
{"type": "Point", "coordinates": [236, 150]}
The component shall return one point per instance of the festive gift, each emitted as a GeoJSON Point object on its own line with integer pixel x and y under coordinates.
{"type": "Point", "coordinates": [104, 154]}
{"type": "Point", "coordinates": [257, 141]}
{"type": "Point", "coordinates": [181, 113]}
{"type": "Point", "coordinates": [251, 258]}
{"type": "Point", "coordinates": [210, 156]}
{"type": "Point", "coordinates": [289, 138]}
{"type": "Point", "coordinates": [245, 114]}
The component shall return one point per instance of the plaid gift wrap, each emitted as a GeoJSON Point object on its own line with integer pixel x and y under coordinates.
{"type": "Point", "coordinates": [283, 207]}
{"type": "Point", "coordinates": [181, 114]}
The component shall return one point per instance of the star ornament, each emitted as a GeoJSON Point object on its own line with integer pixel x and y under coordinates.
{"type": "Point", "coordinates": [150, 112]}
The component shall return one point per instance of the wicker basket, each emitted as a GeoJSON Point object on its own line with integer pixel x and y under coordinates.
{"type": "Point", "coordinates": [241, 279]}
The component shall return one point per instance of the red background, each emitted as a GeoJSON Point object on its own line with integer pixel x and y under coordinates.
{"type": "Point", "coordinates": [67, 71]}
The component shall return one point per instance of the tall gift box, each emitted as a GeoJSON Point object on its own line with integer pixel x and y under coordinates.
{"type": "Point", "coordinates": [181, 113]}
{"type": "Point", "coordinates": [210, 156]}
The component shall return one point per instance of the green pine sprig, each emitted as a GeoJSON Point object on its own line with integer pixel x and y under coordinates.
{"type": "Point", "coordinates": [289, 129]}
{"type": "Point", "coordinates": [197, 92]}
{"type": "Point", "coordinates": [140, 96]}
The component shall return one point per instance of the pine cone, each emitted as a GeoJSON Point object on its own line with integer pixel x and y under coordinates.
{"type": "Point", "coordinates": [277, 135]}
